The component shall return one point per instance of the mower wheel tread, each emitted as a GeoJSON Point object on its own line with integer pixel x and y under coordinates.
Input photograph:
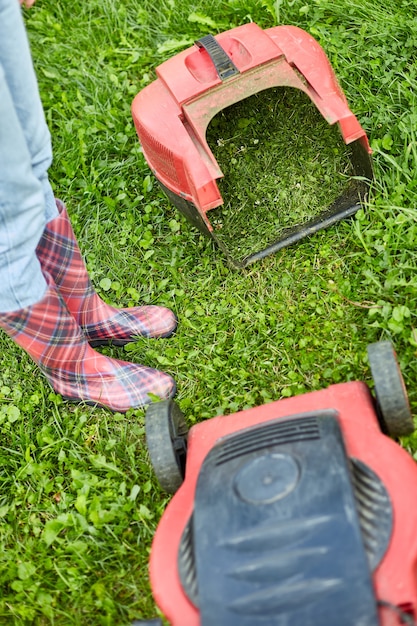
{"type": "Point", "coordinates": [391, 394]}
{"type": "Point", "coordinates": [166, 438]}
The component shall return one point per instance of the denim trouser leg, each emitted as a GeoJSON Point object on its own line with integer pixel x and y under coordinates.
{"type": "Point", "coordinates": [26, 197]}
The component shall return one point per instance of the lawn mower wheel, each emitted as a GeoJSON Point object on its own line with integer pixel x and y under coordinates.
{"type": "Point", "coordinates": [391, 396]}
{"type": "Point", "coordinates": [166, 438]}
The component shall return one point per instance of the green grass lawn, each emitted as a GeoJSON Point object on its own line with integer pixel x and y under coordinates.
{"type": "Point", "coordinates": [79, 503]}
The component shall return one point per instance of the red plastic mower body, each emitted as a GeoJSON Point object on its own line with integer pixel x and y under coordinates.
{"type": "Point", "coordinates": [393, 577]}
{"type": "Point", "coordinates": [171, 115]}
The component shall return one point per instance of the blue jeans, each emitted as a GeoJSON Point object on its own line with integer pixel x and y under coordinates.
{"type": "Point", "coordinates": [26, 198]}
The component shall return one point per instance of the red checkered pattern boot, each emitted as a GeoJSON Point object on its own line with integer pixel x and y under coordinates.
{"type": "Point", "coordinates": [49, 334]}
{"type": "Point", "coordinates": [60, 256]}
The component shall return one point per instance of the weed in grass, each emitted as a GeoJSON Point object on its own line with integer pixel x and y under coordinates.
{"type": "Point", "coordinates": [283, 165]}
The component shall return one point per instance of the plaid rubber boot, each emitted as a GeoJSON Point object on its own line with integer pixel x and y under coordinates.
{"type": "Point", "coordinates": [60, 256]}
{"type": "Point", "coordinates": [49, 334]}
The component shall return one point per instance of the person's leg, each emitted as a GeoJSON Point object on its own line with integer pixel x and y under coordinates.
{"type": "Point", "coordinates": [22, 212]}
{"type": "Point", "coordinates": [32, 311]}
{"type": "Point", "coordinates": [16, 60]}
{"type": "Point", "coordinates": [26, 197]}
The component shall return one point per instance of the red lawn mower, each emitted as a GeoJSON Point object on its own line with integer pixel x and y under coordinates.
{"type": "Point", "coordinates": [295, 513]}
{"type": "Point", "coordinates": [172, 114]}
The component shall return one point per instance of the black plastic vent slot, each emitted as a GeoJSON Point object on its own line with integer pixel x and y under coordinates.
{"type": "Point", "coordinates": [374, 511]}
{"type": "Point", "coordinates": [278, 432]}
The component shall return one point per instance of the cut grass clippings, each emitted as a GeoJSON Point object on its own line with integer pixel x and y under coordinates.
{"type": "Point", "coordinates": [283, 165]}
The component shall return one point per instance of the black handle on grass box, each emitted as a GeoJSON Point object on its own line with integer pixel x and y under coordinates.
{"type": "Point", "coordinates": [224, 65]}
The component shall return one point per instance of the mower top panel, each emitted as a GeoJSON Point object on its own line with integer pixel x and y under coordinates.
{"type": "Point", "coordinates": [276, 534]}
{"type": "Point", "coordinates": [171, 115]}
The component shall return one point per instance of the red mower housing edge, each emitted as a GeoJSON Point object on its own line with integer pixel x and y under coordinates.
{"type": "Point", "coordinates": [298, 512]}
{"type": "Point", "coordinates": [171, 116]}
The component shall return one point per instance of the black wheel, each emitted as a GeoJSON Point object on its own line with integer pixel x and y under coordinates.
{"type": "Point", "coordinates": [166, 438]}
{"type": "Point", "coordinates": [390, 391]}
